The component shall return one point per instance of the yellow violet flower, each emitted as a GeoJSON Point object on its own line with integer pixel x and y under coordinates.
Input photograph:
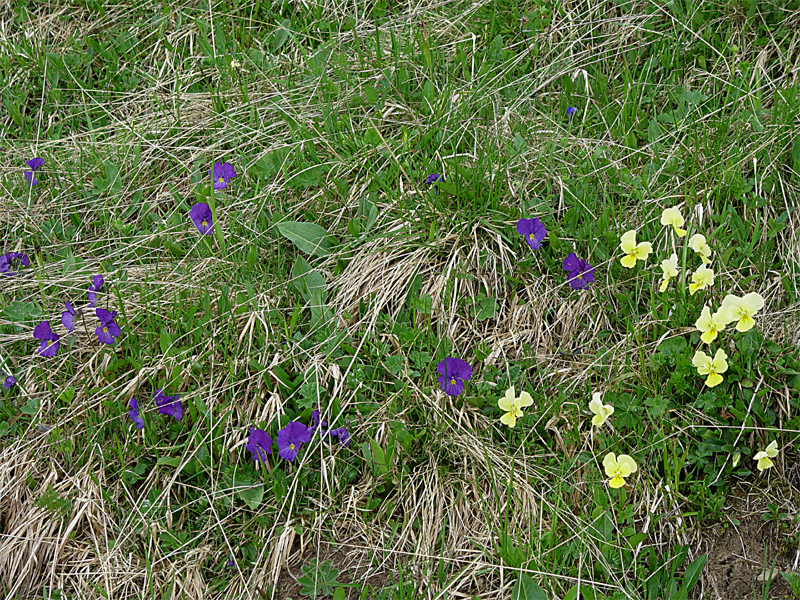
{"type": "Point", "coordinates": [742, 310]}
{"type": "Point", "coordinates": [710, 325]}
{"type": "Point", "coordinates": [601, 411]}
{"type": "Point", "coordinates": [698, 243]}
{"type": "Point", "coordinates": [701, 279]}
{"type": "Point", "coordinates": [632, 250]}
{"type": "Point", "coordinates": [669, 266]}
{"type": "Point", "coordinates": [618, 468]}
{"type": "Point", "coordinates": [711, 367]}
{"type": "Point", "coordinates": [672, 216]}
{"type": "Point", "coordinates": [513, 406]}
{"type": "Point", "coordinates": [764, 457]}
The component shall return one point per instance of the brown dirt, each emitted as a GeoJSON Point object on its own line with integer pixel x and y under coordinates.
{"type": "Point", "coordinates": [349, 573]}
{"type": "Point", "coordinates": [742, 551]}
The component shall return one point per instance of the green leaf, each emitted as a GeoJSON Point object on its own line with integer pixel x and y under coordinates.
{"type": "Point", "coordinates": [526, 589]}
{"type": "Point", "coordinates": [339, 594]}
{"type": "Point", "coordinates": [308, 237]}
{"type": "Point", "coordinates": [306, 280]}
{"type": "Point", "coordinates": [165, 341]}
{"type": "Point", "coordinates": [693, 573]}
{"type": "Point", "coordinates": [252, 496]}
{"type": "Point", "coordinates": [170, 461]}
{"type": "Point", "coordinates": [31, 408]}
{"type": "Point", "coordinates": [67, 394]}
{"type": "Point", "coordinates": [22, 312]}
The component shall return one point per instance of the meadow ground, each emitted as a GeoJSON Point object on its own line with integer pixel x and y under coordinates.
{"type": "Point", "coordinates": [329, 271]}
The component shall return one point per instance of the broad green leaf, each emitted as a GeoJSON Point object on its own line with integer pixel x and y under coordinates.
{"type": "Point", "coordinates": [526, 589]}
{"type": "Point", "coordinates": [308, 237]}
{"type": "Point", "coordinates": [23, 312]}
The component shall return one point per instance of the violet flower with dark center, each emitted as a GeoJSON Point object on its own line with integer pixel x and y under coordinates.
{"type": "Point", "coordinates": [220, 174]}
{"type": "Point", "coordinates": [341, 434]}
{"type": "Point", "coordinates": [108, 332]}
{"type": "Point", "coordinates": [453, 372]}
{"type": "Point", "coordinates": [168, 405]}
{"type": "Point", "coordinates": [94, 289]}
{"type": "Point", "coordinates": [133, 412]}
{"type": "Point", "coordinates": [533, 231]}
{"type": "Point", "coordinates": [581, 273]}
{"type": "Point", "coordinates": [68, 317]}
{"type": "Point", "coordinates": [291, 438]}
{"type": "Point", "coordinates": [12, 262]}
{"type": "Point", "coordinates": [9, 382]}
{"type": "Point", "coordinates": [432, 179]}
{"type": "Point", "coordinates": [571, 111]}
{"type": "Point", "coordinates": [201, 216]}
{"type": "Point", "coordinates": [34, 164]}
{"type": "Point", "coordinates": [50, 343]}
{"type": "Point", "coordinates": [260, 444]}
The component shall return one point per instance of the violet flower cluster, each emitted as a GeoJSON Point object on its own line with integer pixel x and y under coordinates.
{"type": "Point", "coordinates": [291, 438]}
{"type": "Point", "coordinates": [107, 332]}
{"type": "Point", "coordinates": [35, 164]}
{"type": "Point", "coordinates": [167, 405]}
{"type": "Point", "coordinates": [12, 262]}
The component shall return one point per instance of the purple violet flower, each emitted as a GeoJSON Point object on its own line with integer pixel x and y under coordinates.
{"type": "Point", "coordinates": [291, 438]}
{"type": "Point", "coordinates": [231, 562]}
{"type": "Point", "coordinates": [201, 216]}
{"type": "Point", "coordinates": [68, 317]}
{"type": "Point", "coordinates": [133, 412]}
{"type": "Point", "coordinates": [260, 444]}
{"type": "Point", "coordinates": [581, 273]}
{"type": "Point", "coordinates": [453, 372]}
{"type": "Point", "coordinates": [12, 262]}
{"type": "Point", "coordinates": [94, 289]}
{"type": "Point", "coordinates": [533, 231]}
{"type": "Point", "coordinates": [9, 382]}
{"type": "Point", "coordinates": [432, 179]}
{"type": "Point", "coordinates": [341, 434]}
{"type": "Point", "coordinates": [571, 111]}
{"type": "Point", "coordinates": [108, 332]}
{"type": "Point", "coordinates": [50, 343]}
{"type": "Point", "coordinates": [220, 174]}
{"type": "Point", "coordinates": [34, 164]}
{"type": "Point", "coordinates": [168, 405]}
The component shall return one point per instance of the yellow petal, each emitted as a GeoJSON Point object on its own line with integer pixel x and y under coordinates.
{"type": "Point", "coordinates": [595, 404]}
{"type": "Point", "coordinates": [626, 463]}
{"type": "Point", "coordinates": [714, 379]}
{"type": "Point", "coordinates": [754, 302]}
{"type": "Point", "coordinates": [720, 363]}
{"type": "Point", "coordinates": [664, 284]}
{"type": "Point", "coordinates": [703, 323]}
{"type": "Point", "coordinates": [709, 336]}
{"type": "Point", "coordinates": [628, 261]}
{"type": "Point", "coordinates": [745, 323]}
{"type": "Point", "coordinates": [505, 404]}
{"type": "Point", "coordinates": [701, 360]}
{"type": "Point", "coordinates": [628, 241]}
{"type": "Point", "coordinates": [598, 420]}
{"type": "Point", "coordinates": [525, 399]}
{"type": "Point", "coordinates": [697, 241]}
{"type": "Point", "coordinates": [616, 482]}
{"type": "Point", "coordinates": [643, 250]}
{"type": "Point", "coordinates": [764, 463]}
{"type": "Point", "coordinates": [679, 231]}
{"type": "Point", "coordinates": [772, 449]}
{"type": "Point", "coordinates": [610, 464]}
{"type": "Point", "coordinates": [509, 419]}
